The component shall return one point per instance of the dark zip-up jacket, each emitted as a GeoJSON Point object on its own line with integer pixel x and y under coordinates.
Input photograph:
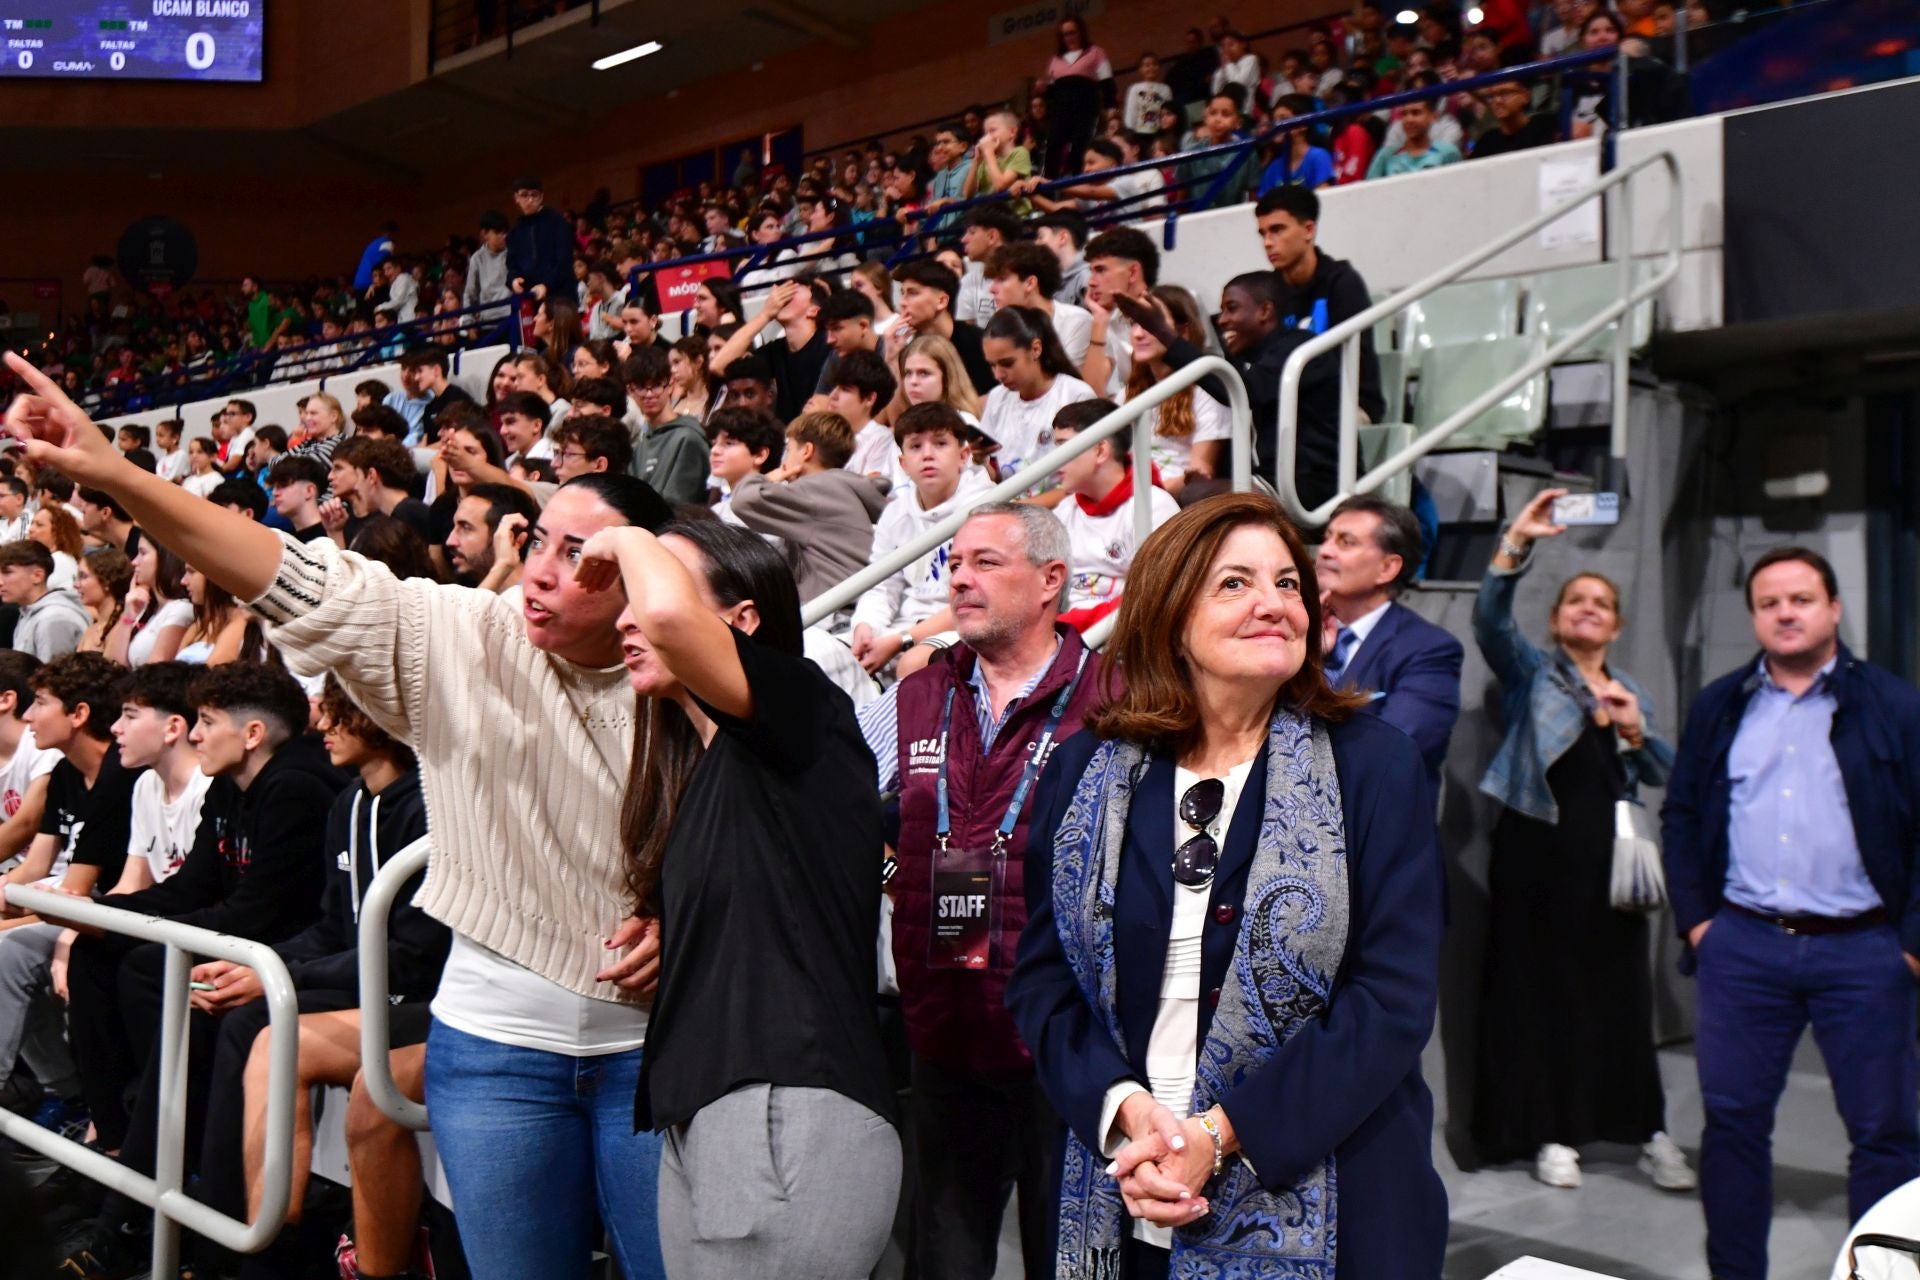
{"type": "Point", "coordinates": [364, 832]}
{"type": "Point", "coordinates": [1876, 740]}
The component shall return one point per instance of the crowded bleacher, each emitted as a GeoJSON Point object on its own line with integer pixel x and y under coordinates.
{"type": "Point", "coordinates": [739, 949]}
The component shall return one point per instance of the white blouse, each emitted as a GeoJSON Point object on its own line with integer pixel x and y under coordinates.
{"type": "Point", "coordinates": [1173, 1049]}
{"type": "Point", "coordinates": [486, 995]}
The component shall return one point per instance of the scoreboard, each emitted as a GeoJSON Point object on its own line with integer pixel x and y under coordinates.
{"type": "Point", "coordinates": [131, 39]}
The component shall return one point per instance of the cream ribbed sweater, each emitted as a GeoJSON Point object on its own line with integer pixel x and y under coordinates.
{"type": "Point", "coordinates": [523, 755]}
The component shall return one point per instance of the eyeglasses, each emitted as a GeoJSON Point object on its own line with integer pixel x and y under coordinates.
{"type": "Point", "coordinates": [1194, 861]}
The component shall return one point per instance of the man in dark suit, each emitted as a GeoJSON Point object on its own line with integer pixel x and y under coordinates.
{"type": "Point", "coordinates": [1377, 646]}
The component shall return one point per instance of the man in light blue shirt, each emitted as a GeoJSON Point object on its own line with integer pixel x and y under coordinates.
{"type": "Point", "coordinates": [410, 402]}
{"type": "Point", "coordinates": [1792, 851]}
{"type": "Point", "coordinates": [1791, 827]}
{"type": "Point", "coordinates": [1419, 152]}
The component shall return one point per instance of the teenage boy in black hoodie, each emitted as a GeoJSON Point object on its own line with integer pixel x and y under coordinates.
{"type": "Point", "coordinates": [370, 822]}
{"type": "Point", "coordinates": [256, 871]}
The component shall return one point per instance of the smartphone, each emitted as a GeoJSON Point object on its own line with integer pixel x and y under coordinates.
{"type": "Point", "coordinates": [202, 986]}
{"type": "Point", "coordinates": [1587, 509]}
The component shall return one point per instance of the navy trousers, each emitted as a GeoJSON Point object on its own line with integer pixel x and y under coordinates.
{"type": "Point", "coordinates": [1760, 987]}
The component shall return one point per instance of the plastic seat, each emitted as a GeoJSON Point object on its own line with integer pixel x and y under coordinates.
{"type": "Point", "coordinates": [1558, 302]}
{"type": "Point", "coordinates": [1376, 443]}
{"type": "Point", "coordinates": [1453, 376]}
{"type": "Point", "coordinates": [1475, 311]}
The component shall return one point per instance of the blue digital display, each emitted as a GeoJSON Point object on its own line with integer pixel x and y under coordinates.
{"type": "Point", "coordinates": [131, 39]}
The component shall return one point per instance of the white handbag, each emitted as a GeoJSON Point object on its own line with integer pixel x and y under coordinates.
{"type": "Point", "coordinates": [1639, 879]}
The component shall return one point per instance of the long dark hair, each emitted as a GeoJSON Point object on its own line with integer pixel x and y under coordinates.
{"type": "Point", "coordinates": [726, 296]}
{"type": "Point", "coordinates": [1156, 705]}
{"type": "Point", "coordinates": [1024, 326]}
{"type": "Point", "coordinates": [738, 565]}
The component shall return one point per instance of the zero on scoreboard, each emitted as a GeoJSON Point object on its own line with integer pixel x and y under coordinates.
{"type": "Point", "coordinates": [132, 39]}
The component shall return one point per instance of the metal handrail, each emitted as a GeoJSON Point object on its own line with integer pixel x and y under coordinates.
{"type": "Point", "coordinates": [172, 1207]}
{"type": "Point", "coordinates": [1131, 414]}
{"type": "Point", "coordinates": [353, 350]}
{"type": "Point", "coordinates": [1347, 335]}
{"type": "Point", "coordinates": [375, 1038]}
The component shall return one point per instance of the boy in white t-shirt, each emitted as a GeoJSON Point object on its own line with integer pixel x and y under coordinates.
{"type": "Point", "coordinates": [23, 778]}
{"type": "Point", "coordinates": [156, 716]}
{"type": "Point", "coordinates": [895, 614]}
{"type": "Point", "coordinates": [1098, 514]}
{"type": "Point", "coordinates": [862, 386]}
{"type": "Point", "coordinates": [1026, 274]}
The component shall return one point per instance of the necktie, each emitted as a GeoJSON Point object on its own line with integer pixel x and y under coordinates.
{"type": "Point", "coordinates": [1343, 646]}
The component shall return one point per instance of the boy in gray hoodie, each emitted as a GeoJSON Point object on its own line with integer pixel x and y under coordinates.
{"type": "Point", "coordinates": [669, 450]}
{"type": "Point", "coordinates": [52, 620]}
{"type": "Point", "coordinates": [823, 512]}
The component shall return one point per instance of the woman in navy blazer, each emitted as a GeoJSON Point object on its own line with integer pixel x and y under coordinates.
{"type": "Point", "coordinates": [1289, 942]}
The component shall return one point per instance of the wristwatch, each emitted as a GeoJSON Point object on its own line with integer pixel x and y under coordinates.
{"type": "Point", "coordinates": [907, 641]}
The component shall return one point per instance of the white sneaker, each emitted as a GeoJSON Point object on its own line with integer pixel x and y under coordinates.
{"type": "Point", "coordinates": [1557, 1166]}
{"type": "Point", "coordinates": [1664, 1162]}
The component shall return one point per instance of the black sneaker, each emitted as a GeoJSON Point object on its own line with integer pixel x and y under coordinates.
{"type": "Point", "coordinates": [21, 1094]}
{"type": "Point", "coordinates": [99, 1254]}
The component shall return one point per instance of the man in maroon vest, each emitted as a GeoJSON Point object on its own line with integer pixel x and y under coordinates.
{"type": "Point", "coordinates": [983, 716]}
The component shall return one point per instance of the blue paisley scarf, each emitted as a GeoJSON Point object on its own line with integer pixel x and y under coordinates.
{"type": "Point", "coordinates": [1293, 933]}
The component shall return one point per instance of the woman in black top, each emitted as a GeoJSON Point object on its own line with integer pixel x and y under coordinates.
{"type": "Point", "coordinates": [752, 827]}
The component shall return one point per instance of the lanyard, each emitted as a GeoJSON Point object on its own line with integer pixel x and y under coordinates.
{"type": "Point", "coordinates": [944, 826]}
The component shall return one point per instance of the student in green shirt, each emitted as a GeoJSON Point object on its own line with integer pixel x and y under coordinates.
{"type": "Point", "coordinates": [1419, 151]}
{"type": "Point", "coordinates": [999, 161]}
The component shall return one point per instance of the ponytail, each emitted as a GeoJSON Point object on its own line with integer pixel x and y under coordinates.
{"type": "Point", "coordinates": [1024, 326]}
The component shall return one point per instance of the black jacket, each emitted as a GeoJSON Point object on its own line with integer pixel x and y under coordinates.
{"type": "Point", "coordinates": [1335, 293]}
{"type": "Point", "coordinates": [363, 832]}
{"type": "Point", "coordinates": [540, 251]}
{"type": "Point", "coordinates": [256, 868]}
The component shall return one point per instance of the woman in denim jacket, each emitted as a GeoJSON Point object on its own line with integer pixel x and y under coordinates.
{"type": "Point", "coordinates": [1566, 1032]}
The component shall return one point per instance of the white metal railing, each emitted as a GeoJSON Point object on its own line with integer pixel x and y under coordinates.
{"type": "Point", "coordinates": [374, 1038]}
{"type": "Point", "coordinates": [172, 1207]}
{"type": "Point", "coordinates": [1132, 413]}
{"type": "Point", "coordinates": [1347, 335]}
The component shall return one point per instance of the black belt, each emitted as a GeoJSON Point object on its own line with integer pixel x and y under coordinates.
{"type": "Point", "coordinates": [1815, 924]}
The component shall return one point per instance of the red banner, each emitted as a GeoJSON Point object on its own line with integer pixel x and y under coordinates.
{"type": "Point", "coordinates": [678, 285]}
{"type": "Point", "coordinates": [46, 288]}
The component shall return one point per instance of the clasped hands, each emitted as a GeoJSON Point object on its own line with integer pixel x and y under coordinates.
{"type": "Point", "coordinates": [1166, 1162]}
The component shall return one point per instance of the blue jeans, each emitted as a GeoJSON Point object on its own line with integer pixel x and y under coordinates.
{"type": "Point", "coordinates": [1759, 988]}
{"type": "Point", "coordinates": [532, 1142]}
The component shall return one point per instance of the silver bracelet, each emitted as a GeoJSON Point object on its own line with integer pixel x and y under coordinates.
{"type": "Point", "coordinates": [1511, 552]}
{"type": "Point", "coordinates": [1213, 1131]}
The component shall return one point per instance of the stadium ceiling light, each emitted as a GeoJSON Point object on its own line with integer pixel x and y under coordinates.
{"type": "Point", "coordinates": [1475, 16]}
{"type": "Point", "coordinates": [1406, 17]}
{"type": "Point", "coordinates": [627, 55]}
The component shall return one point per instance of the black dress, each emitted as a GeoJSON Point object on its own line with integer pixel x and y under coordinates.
{"type": "Point", "coordinates": [1566, 1017]}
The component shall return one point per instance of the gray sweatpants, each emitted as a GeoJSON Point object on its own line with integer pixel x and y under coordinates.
{"type": "Point", "coordinates": [32, 1019]}
{"type": "Point", "coordinates": [770, 1182]}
